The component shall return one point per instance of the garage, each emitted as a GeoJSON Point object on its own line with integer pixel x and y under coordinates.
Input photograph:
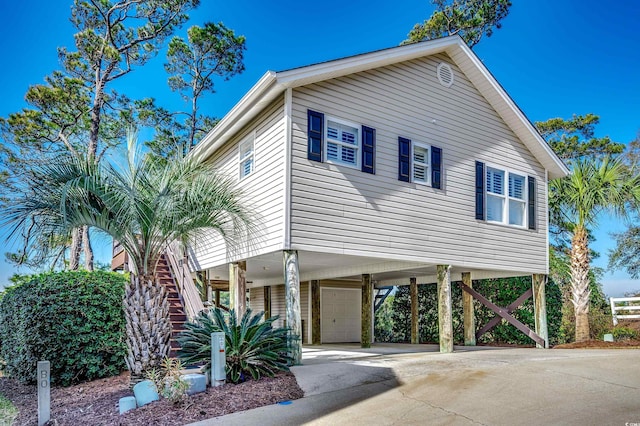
{"type": "Point", "coordinates": [340, 315]}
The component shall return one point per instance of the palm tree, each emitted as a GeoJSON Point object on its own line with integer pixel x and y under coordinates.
{"type": "Point", "coordinates": [145, 205]}
{"type": "Point", "coordinates": [594, 187]}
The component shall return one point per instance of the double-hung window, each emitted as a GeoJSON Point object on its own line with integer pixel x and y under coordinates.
{"type": "Point", "coordinates": [343, 143]}
{"type": "Point", "coordinates": [246, 157]}
{"type": "Point", "coordinates": [506, 197]}
{"type": "Point", "coordinates": [420, 163]}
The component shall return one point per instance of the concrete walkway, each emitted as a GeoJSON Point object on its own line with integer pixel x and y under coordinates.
{"type": "Point", "coordinates": [414, 384]}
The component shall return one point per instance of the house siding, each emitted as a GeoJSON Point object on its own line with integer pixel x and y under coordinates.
{"type": "Point", "coordinates": [342, 210]}
{"type": "Point", "coordinates": [278, 305]}
{"type": "Point", "coordinates": [264, 189]}
{"type": "Point", "coordinates": [256, 299]}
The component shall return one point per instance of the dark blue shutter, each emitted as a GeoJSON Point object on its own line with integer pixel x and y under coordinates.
{"type": "Point", "coordinates": [368, 150]}
{"type": "Point", "coordinates": [315, 125]}
{"type": "Point", "coordinates": [479, 190]}
{"type": "Point", "coordinates": [404, 153]}
{"type": "Point", "coordinates": [532, 202]}
{"type": "Point", "coordinates": [436, 167]}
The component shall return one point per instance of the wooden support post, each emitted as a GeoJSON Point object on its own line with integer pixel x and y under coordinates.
{"type": "Point", "coordinates": [238, 287]}
{"type": "Point", "coordinates": [468, 312]}
{"type": "Point", "coordinates": [233, 286]}
{"type": "Point", "coordinates": [217, 299]}
{"type": "Point", "coordinates": [539, 282]}
{"type": "Point", "coordinates": [267, 301]}
{"type": "Point", "coordinates": [445, 316]}
{"type": "Point", "coordinates": [292, 304]}
{"type": "Point", "coordinates": [414, 310]}
{"type": "Point", "coordinates": [315, 312]}
{"type": "Point", "coordinates": [367, 311]}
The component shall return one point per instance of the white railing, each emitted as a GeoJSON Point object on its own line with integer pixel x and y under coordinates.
{"type": "Point", "coordinates": [182, 275]}
{"type": "Point", "coordinates": [624, 304]}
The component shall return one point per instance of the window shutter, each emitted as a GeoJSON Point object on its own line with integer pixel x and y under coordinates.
{"type": "Point", "coordinates": [368, 150]}
{"type": "Point", "coordinates": [479, 190]}
{"type": "Point", "coordinates": [532, 202]}
{"type": "Point", "coordinates": [404, 152]}
{"type": "Point", "coordinates": [315, 124]}
{"type": "Point", "coordinates": [436, 167]}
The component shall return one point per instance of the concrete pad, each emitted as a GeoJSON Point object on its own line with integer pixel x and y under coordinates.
{"type": "Point", "coordinates": [488, 386]}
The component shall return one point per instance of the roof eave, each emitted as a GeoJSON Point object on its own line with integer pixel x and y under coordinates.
{"type": "Point", "coordinates": [263, 92]}
{"type": "Point", "coordinates": [519, 123]}
{"type": "Point", "coordinates": [272, 84]}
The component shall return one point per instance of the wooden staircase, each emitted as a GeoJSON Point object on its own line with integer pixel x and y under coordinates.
{"type": "Point", "coordinates": [177, 312]}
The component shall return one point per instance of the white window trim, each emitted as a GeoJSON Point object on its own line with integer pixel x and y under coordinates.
{"type": "Point", "coordinates": [358, 147]}
{"type": "Point", "coordinates": [241, 159]}
{"type": "Point", "coordinates": [428, 148]}
{"type": "Point", "coordinates": [505, 208]}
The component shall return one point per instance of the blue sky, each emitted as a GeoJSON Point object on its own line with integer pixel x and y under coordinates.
{"type": "Point", "coordinates": [555, 59]}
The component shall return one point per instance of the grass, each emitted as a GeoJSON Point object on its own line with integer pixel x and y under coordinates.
{"type": "Point", "coordinates": [8, 412]}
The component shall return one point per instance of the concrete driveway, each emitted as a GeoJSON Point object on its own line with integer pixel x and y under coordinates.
{"type": "Point", "coordinates": [414, 384]}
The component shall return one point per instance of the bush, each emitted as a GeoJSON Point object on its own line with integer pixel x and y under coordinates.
{"type": "Point", "coordinates": [168, 380]}
{"type": "Point", "coordinates": [624, 333]}
{"type": "Point", "coordinates": [253, 347]}
{"type": "Point", "coordinates": [500, 291]}
{"type": "Point", "coordinates": [72, 319]}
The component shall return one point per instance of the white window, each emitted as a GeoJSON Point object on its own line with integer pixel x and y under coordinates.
{"type": "Point", "coordinates": [517, 200]}
{"type": "Point", "coordinates": [246, 159]}
{"type": "Point", "coordinates": [343, 143]}
{"type": "Point", "coordinates": [420, 163]}
{"type": "Point", "coordinates": [506, 197]}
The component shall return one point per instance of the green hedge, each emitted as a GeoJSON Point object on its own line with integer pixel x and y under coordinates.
{"type": "Point", "coordinates": [500, 291]}
{"type": "Point", "coordinates": [74, 320]}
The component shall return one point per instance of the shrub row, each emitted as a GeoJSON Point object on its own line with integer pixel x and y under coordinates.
{"type": "Point", "coordinates": [74, 320]}
{"type": "Point", "coordinates": [393, 322]}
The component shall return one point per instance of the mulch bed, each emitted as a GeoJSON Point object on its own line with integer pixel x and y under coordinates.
{"type": "Point", "coordinates": [96, 403]}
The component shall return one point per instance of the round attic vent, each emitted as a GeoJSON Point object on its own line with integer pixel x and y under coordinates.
{"type": "Point", "coordinates": [445, 74]}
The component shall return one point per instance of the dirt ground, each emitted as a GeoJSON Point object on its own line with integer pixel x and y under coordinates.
{"type": "Point", "coordinates": [96, 403]}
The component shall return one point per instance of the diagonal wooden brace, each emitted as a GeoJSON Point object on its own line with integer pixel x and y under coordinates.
{"type": "Point", "coordinates": [512, 307]}
{"type": "Point", "coordinates": [504, 313]}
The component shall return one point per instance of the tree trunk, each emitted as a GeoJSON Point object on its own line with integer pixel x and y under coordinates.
{"type": "Point", "coordinates": [580, 282]}
{"type": "Point", "coordinates": [88, 250]}
{"type": "Point", "coordinates": [148, 327]}
{"type": "Point", "coordinates": [76, 247]}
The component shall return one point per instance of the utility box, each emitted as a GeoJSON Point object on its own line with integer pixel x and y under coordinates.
{"type": "Point", "coordinates": [218, 359]}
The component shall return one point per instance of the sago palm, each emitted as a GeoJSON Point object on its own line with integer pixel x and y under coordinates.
{"type": "Point", "coordinates": [145, 205]}
{"type": "Point", "coordinates": [594, 187]}
{"type": "Point", "coordinates": [254, 348]}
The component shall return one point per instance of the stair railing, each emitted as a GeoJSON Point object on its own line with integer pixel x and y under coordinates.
{"type": "Point", "coordinates": [182, 275]}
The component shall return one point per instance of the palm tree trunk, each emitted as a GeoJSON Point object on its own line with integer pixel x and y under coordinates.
{"type": "Point", "coordinates": [580, 282]}
{"type": "Point", "coordinates": [88, 250]}
{"type": "Point", "coordinates": [148, 327]}
{"type": "Point", "coordinates": [76, 247]}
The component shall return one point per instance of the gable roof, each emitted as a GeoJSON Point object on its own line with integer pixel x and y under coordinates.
{"type": "Point", "coordinates": [273, 84]}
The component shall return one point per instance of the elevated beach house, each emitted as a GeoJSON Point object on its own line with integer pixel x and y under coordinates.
{"type": "Point", "coordinates": [400, 166]}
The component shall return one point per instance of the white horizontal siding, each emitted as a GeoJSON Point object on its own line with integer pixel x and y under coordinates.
{"type": "Point", "coordinates": [263, 190]}
{"type": "Point", "coordinates": [278, 305]}
{"type": "Point", "coordinates": [256, 299]}
{"type": "Point", "coordinates": [338, 209]}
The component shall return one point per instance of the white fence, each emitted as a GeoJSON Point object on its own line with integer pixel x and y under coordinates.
{"type": "Point", "coordinates": [624, 308]}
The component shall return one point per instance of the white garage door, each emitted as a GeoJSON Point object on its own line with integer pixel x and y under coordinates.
{"type": "Point", "coordinates": [340, 315]}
